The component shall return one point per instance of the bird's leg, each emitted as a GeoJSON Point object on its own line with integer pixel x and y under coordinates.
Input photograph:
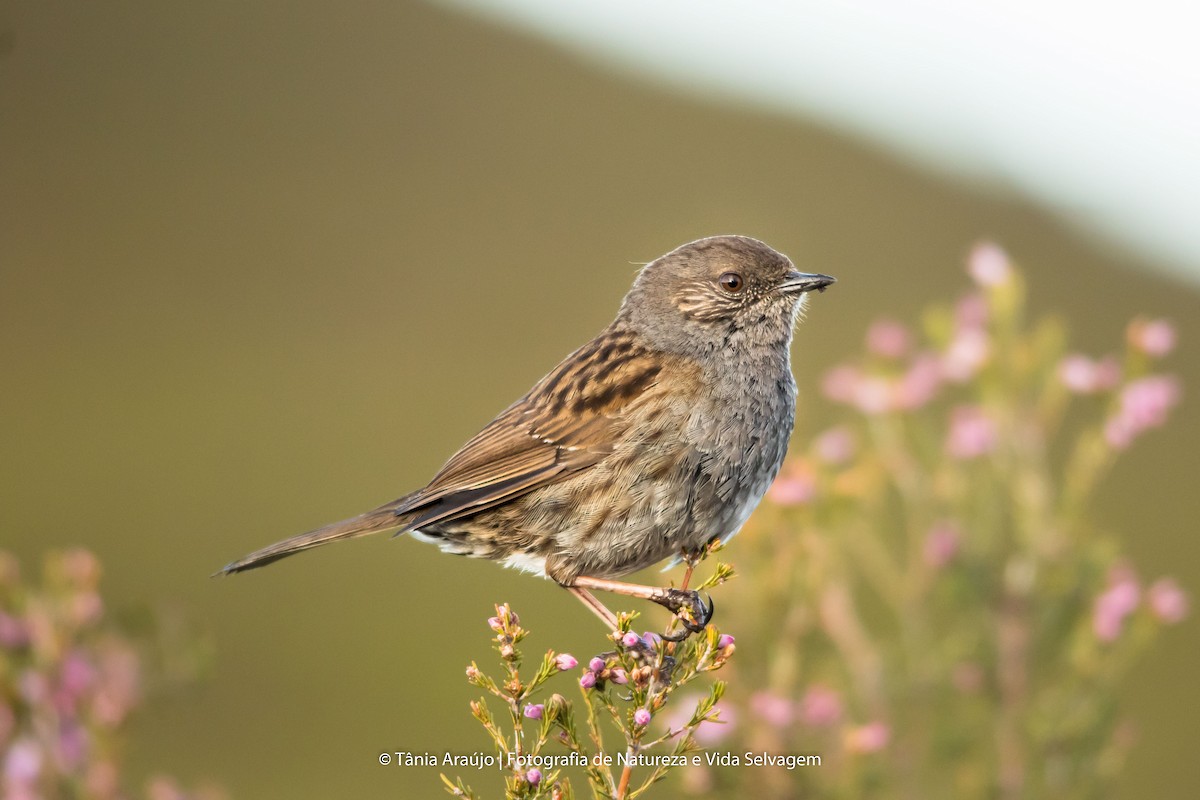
{"type": "Point", "coordinates": [595, 606]}
{"type": "Point", "coordinates": [674, 600]}
{"type": "Point", "coordinates": [642, 651]}
{"type": "Point", "coordinates": [690, 561]}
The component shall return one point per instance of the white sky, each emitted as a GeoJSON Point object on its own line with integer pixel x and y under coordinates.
{"type": "Point", "coordinates": [1091, 108]}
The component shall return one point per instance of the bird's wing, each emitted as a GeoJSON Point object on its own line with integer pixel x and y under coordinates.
{"type": "Point", "coordinates": [571, 420]}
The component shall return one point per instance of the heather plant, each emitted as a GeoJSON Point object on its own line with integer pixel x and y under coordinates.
{"type": "Point", "coordinates": [538, 739]}
{"type": "Point", "coordinates": [70, 680]}
{"type": "Point", "coordinates": [937, 611]}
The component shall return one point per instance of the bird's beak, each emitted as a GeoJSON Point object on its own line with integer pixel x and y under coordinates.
{"type": "Point", "coordinates": [800, 282]}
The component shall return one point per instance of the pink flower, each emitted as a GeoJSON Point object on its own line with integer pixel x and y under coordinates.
{"type": "Point", "coordinates": [965, 356]}
{"type": "Point", "coordinates": [1144, 404]}
{"type": "Point", "coordinates": [820, 706]}
{"type": "Point", "coordinates": [1147, 401]}
{"type": "Point", "coordinates": [941, 545]}
{"type": "Point", "coordinates": [838, 384]}
{"type": "Point", "coordinates": [73, 745]}
{"type": "Point", "coordinates": [835, 446]}
{"type": "Point", "coordinates": [1082, 375]}
{"type": "Point", "coordinates": [988, 265]}
{"type": "Point", "coordinates": [588, 680]}
{"type": "Point", "coordinates": [565, 661]}
{"type": "Point", "coordinates": [1154, 337]}
{"type": "Point", "coordinates": [1115, 603]}
{"type": "Point", "coordinates": [1078, 373]}
{"type": "Point", "coordinates": [533, 710]}
{"type": "Point", "coordinates": [872, 395]}
{"type": "Point", "coordinates": [869, 738]}
{"type": "Point", "coordinates": [888, 338]}
{"type": "Point", "coordinates": [619, 677]}
{"type": "Point", "coordinates": [22, 765]}
{"type": "Point", "coordinates": [776, 711]}
{"type": "Point", "coordinates": [641, 717]}
{"type": "Point", "coordinates": [724, 720]}
{"type": "Point", "coordinates": [534, 776]}
{"type": "Point", "coordinates": [708, 733]}
{"type": "Point", "coordinates": [919, 384]}
{"type": "Point", "coordinates": [76, 675]}
{"type": "Point", "coordinates": [1167, 601]}
{"type": "Point", "coordinates": [1105, 624]}
{"type": "Point", "coordinates": [596, 664]}
{"type": "Point", "coordinates": [630, 639]}
{"type": "Point", "coordinates": [796, 485]}
{"type": "Point", "coordinates": [724, 640]}
{"type": "Point", "coordinates": [14, 633]}
{"type": "Point", "coordinates": [876, 394]}
{"type": "Point", "coordinates": [972, 433]}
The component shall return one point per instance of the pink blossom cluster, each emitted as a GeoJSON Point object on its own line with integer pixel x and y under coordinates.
{"type": "Point", "coordinates": [710, 732]}
{"type": "Point", "coordinates": [881, 389]}
{"type": "Point", "coordinates": [1142, 404]}
{"type": "Point", "coordinates": [988, 265]}
{"type": "Point", "coordinates": [1083, 375]}
{"type": "Point", "coordinates": [819, 707]}
{"type": "Point", "coordinates": [1000, 387]}
{"type": "Point", "coordinates": [61, 664]}
{"type": "Point", "coordinates": [1154, 337]}
{"type": "Point", "coordinates": [1165, 600]}
{"type": "Point", "coordinates": [795, 485]}
{"type": "Point", "coordinates": [876, 393]}
{"type": "Point", "coordinates": [972, 433]}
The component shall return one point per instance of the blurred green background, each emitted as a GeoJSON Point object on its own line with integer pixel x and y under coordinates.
{"type": "Point", "coordinates": [264, 266]}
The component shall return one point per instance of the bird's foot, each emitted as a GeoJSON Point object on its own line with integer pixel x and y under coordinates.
{"type": "Point", "coordinates": [693, 612]}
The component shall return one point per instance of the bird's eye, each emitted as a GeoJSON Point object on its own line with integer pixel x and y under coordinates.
{"type": "Point", "coordinates": [731, 282]}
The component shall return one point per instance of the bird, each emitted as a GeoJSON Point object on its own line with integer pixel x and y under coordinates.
{"type": "Point", "coordinates": [652, 441]}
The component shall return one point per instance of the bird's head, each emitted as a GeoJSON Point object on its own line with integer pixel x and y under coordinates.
{"type": "Point", "coordinates": [709, 292]}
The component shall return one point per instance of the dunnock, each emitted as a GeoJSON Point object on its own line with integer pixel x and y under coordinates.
{"type": "Point", "coordinates": [655, 438]}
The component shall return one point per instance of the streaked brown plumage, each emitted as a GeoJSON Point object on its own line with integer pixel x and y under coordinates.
{"type": "Point", "coordinates": [658, 436]}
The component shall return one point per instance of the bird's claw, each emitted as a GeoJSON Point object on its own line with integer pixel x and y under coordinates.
{"type": "Point", "coordinates": [699, 613]}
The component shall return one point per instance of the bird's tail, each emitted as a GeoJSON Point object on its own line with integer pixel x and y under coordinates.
{"type": "Point", "coordinates": [381, 519]}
